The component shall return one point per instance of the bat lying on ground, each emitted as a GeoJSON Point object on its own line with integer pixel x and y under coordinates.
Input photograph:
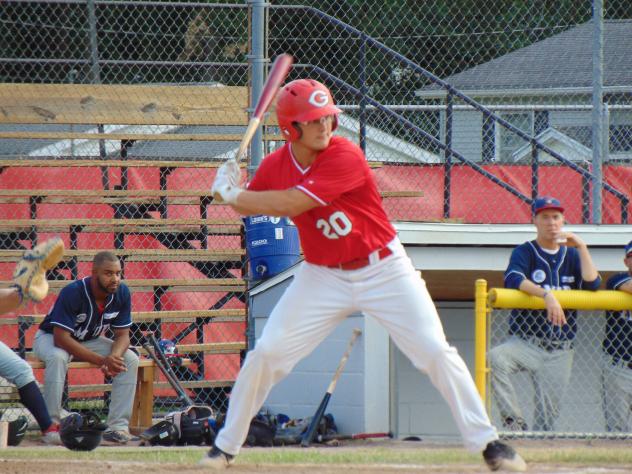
{"type": "Point", "coordinates": [296, 439]}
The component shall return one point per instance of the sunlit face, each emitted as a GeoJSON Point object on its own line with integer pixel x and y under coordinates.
{"type": "Point", "coordinates": [316, 134]}
{"type": "Point", "coordinates": [548, 223]}
{"type": "Point", "coordinates": [108, 276]}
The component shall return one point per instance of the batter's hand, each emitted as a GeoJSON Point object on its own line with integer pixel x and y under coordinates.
{"type": "Point", "coordinates": [226, 184]}
{"type": "Point", "coordinates": [554, 310]}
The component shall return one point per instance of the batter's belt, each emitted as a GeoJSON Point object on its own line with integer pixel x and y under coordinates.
{"type": "Point", "coordinates": [363, 262]}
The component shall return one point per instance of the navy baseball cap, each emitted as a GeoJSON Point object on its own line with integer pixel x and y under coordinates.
{"type": "Point", "coordinates": [628, 248]}
{"type": "Point", "coordinates": [546, 202]}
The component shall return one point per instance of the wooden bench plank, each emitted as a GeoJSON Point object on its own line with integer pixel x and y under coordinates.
{"type": "Point", "coordinates": [93, 222]}
{"type": "Point", "coordinates": [208, 348]}
{"type": "Point", "coordinates": [220, 315]}
{"type": "Point", "coordinates": [173, 284]}
{"type": "Point", "coordinates": [38, 364]}
{"type": "Point", "coordinates": [106, 193]}
{"type": "Point", "coordinates": [190, 384]}
{"type": "Point", "coordinates": [129, 226]}
{"type": "Point", "coordinates": [141, 255]}
{"type": "Point", "coordinates": [96, 104]}
{"type": "Point", "coordinates": [401, 194]}
{"type": "Point", "coordinates": [64, 163]}
{"type": "Point", "coordinates": [198, 384]}
{"type": "Point", "coordinates": [100, 196]}
{"type": "Point", "coordinates": [121, 136]}
{"type": "Point", "coordinates": [62, 196]}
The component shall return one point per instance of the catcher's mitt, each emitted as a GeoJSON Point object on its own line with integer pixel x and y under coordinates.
{"type": "Point", "coordinates": [30, 272]}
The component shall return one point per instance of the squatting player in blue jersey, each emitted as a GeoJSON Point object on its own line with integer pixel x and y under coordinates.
{"type": "Point", "coordinates": [72, 330]}
{"type": "Point", "coordinates": [541, 341]}
{"type": "Point", "coordinates": [617, 361]}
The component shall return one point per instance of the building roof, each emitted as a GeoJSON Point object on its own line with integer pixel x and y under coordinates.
{"type": "Point", "coordinates": [560, 61]}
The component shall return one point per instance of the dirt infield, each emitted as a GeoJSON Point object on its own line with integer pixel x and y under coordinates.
{"type": "Point", "coordinates": [350, 457]}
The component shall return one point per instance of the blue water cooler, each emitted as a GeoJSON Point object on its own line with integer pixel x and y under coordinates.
{"type": "Point", "coordinates": [272, 245]}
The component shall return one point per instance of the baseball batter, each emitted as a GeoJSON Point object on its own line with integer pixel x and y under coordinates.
{"type": "Point", "coordinates": [617, 360]}
{"type": "Point", "coordinates": [353, 262]}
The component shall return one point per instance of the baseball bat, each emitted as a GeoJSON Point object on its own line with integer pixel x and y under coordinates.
{"type": "Point", "coordinates": [175, 384]}
{"type": "Point", "coordinates": [308, 436]}
{"type": "Point", "coordinates": [278, 72]}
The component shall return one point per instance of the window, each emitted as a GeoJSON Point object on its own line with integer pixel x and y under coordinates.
{"type": "Point", "coordinates": [506, 140]}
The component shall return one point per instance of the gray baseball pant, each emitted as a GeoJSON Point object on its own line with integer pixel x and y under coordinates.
{"type": "Point", "coordinates": [56, 361]}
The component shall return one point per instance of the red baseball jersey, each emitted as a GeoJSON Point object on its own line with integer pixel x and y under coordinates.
{"type": "Point", "coordinates": [350, 222]}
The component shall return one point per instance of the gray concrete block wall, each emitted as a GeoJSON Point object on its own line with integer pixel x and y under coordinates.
{"type": "Point", "coordinates": [300, 393]}
{"type": "Point", "coordinates": [421, 410]}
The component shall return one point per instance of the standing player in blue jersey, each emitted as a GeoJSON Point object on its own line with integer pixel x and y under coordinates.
{"type": "Point", "coordinates": [72, 330]}
{"type": "Point", "coordinates": [617, 361]}
{"type": "Point", "coordinates": [541, 341]}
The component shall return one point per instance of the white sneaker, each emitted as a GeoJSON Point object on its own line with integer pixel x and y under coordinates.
{"type": "Point", "coordinates": [51, 438]}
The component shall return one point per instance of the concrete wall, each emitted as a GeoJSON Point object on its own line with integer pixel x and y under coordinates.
{"type": "Point", "coordinates": [360, 403]}
{"type": "Point", "coordinates": [421, 410]}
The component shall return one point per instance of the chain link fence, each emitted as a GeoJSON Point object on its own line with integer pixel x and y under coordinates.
{"type": "Point", "coordinates": [588, 403]}
{"type": "Point", "coordinates": [182, 256]}
{"type": "Point", "coordinates": [478, 107]}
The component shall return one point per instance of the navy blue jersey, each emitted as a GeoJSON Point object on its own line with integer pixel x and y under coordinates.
{"type": "Point", "coordinates": [618, 339]}
{"type": "Point", "coordinates": [76, 311]}
{"type": "Point", "coordinates": [561, 271]}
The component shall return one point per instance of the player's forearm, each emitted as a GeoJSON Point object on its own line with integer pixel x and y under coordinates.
{"type": "Point", "coordinates": [121, 342]}
{"type": "Point", "coordinates": [273, 203]}
{"type": "Point", "coordinates": [532, 289]}
{"type": "Point", "coordinates": [589, 271]}
{"type": "Point", "coordinates": [9, 299]}
{"type": "Point", "coordinates": [627, 287]}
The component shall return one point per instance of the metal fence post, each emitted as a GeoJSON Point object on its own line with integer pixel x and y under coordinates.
{"type": "Point", "coordinates": [597, 112]}
{"type": "Point", "coordinates": [447, 178]}
{"type": "Point", "coordinates": [95, 78]}
{"type": "Point", "coordinates": [257, 60]}
{"type": "Point", "coordinates": [363, 88]}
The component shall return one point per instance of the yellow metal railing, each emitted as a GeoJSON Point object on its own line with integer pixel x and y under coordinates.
{"type": "Point", "coordinates": [502, 298]}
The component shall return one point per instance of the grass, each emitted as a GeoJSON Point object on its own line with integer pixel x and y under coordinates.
{"type": "Point", "coordinates": [576, 455]}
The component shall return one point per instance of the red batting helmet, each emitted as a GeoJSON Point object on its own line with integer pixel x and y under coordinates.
{"type": "Point", "coordinates": [303, 100]}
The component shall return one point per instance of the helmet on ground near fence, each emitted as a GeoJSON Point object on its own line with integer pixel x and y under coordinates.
{"type": "Point", "coordinates": [169, 349]}
{"type": "Point", "coordinates": [303, 100]}
{"type": "Point", "coordinates": [163, 433]}
{"type": "Point", "coordinates": [81, 432]}
{"type": "Point", "coordinates": [17, 430]}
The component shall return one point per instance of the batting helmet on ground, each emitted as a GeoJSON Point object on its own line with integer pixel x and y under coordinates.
{"type": "Point", "coordinates": [81, 432]}
{"type": "Point", "coordinates": [17, 430]}
{"type": "Point", "coordinates": [303, 100]}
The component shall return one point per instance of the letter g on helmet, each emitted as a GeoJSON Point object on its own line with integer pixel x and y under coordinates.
{"type": "Point", "coordinates": [303, 100]}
